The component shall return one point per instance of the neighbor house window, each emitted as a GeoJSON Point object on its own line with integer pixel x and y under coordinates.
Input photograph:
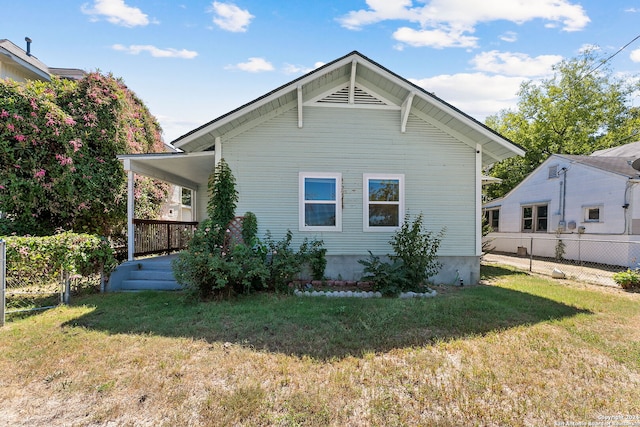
{"type": "Point", "coordinates": [535, 218]}
{"type": "Point", "coordinates": [553, 171]}
{"type": "Point", "coordinates": [592, 214]}
{"type": "Point", "coordinates": [493, 218]}
{"type": "Point", "coordinates": [320, 197]}
{"type": "Point", "coordinates": [383, 202]}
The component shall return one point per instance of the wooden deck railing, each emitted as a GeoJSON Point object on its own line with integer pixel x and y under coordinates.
{"type": "Point", "coordinates": [157, 236]}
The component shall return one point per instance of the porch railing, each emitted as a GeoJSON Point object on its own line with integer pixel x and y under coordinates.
{"type": "Point", "coordinates": [157, 236]}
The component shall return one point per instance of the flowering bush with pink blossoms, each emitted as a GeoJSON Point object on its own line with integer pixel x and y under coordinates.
{"type": "Point", "coordinates": [58, 147]}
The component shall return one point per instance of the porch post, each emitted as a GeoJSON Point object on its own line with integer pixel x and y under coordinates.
{"type": "Point", "coordinates": [130, 227]}
{"type": "Point", "coordinates": [478, 200]}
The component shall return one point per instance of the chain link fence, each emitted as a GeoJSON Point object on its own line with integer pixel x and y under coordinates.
{"type": "Point", "coordinates": [36, 289]}
{"type": "Point", "coordinates": [579, 258]}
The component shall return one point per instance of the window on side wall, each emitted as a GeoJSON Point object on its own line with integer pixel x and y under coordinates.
{"type": "Point", "coordinates": [535, 218]}
{"type": "Point", "coordinates": [493, 218]}
{"type": "Point", "coordinates": [320, 196]}
{"type": "Point", "coordinates": [592, 214]}
{"type": "Point", "coordinates": [383, 202]}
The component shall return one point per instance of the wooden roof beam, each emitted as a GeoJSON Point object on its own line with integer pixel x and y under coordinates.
{"type": "Point", "coordinates": [352, 83]}
{"type": "Point", "coordinates": [406, 109]}
{"type": "Point", "coordinates": [300, 100]}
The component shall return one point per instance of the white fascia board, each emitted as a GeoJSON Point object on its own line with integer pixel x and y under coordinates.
{"type": "Point", "coordinates": [291, 87]}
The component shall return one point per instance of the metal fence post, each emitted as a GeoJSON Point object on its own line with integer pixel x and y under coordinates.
{"type": "Point", "coordinates": [3, 280]}
{"type": "Point", "coordinates": [67, 287]}
{"type": "Point", "coordinates": [531, 255]}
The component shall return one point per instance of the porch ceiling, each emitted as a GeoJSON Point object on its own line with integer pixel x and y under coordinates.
{"type": "Point", "coordinates": [188, 170]}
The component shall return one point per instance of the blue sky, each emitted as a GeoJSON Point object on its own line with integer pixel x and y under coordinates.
{"type": "Point", "coordinates": [192, 61]}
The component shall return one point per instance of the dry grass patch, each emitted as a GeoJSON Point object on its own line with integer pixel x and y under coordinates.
{"type": "Point", "coordinates": [520, 350]}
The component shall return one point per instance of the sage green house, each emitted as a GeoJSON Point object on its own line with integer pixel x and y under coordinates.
{"type": "Point", "coordinates": [342, 154]}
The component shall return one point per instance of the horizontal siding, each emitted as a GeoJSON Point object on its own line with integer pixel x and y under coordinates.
{"type": "Point", "coordinates": [439, 174]}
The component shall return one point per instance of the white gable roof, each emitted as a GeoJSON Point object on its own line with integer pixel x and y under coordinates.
{"type": "Point", "coordinates": [353, 80]}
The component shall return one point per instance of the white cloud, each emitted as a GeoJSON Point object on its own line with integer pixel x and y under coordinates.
{"type": "Point", "coordinates": [635, 55]}
{"type": "Point", "coordinates": [230, 17]}
{"type": "Point", "coordinates": [448, 23]}
{"type": "Point", "coordinates": [300, 69]}
{"type": "Point", "coordinates": [477, 94]}
{"type": "Point", "coordinates": [253, 65]}
{"type": "Point", "coordinates": [135, 49]}
{"type": "Point", "coordinates": [588, 47]}
{"type": "Point", "coordinates": [116, 12]}
{"type": "Point", "coordinates": [437, 38]}
{"type": "Point", "coordinates": [514, 64]}
{"type": "Point", "coordinates": [509, 37]}
{"type": "Point", "coordinates": [380, 10]}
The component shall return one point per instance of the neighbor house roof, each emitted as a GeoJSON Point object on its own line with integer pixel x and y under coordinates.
{"type": "Point", "coordinates": [355, 71]}
{"type": "Point", "coordinates": [628, 150]}
{"type": "Point", "coordinates": [617, 165]}
{"type": "Point", "coordinates": [14, 55]}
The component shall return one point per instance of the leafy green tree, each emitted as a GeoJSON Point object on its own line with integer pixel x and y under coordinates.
{"type": "Point", "coordinates": [581, 109]}
{"type": "Point", "coordinates": [223, 198]}
{"type": "Point", "coordinates": [58, 147]}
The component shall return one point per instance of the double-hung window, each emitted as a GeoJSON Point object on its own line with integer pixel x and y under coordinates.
{"type": "Point", "coordinates": [383, 202]}
{"type": "Point", "coordinates": [534, 218]}
{"type": "Point", "coordinates": [320, 196]}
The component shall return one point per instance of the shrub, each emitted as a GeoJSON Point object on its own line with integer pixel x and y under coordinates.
{"type": "Point", "coordinates": [210, 268]}
{"type": "Point", "coordinates": [207, 270]}
{"type": "Point", "coordinates": [389, 278]}
{"type": "Point", "coordinates": [413, 262]}
{"type": "Point", "coordinates": [58, 147]}
{"type": "Point", "coordinates": [34, 259]}
{"type": "Point", "coordinates": [627, 279]}
{"type": "Point", "coordinates": [250, 229]}
{"type": "Point", "coordinates": [285, 264]}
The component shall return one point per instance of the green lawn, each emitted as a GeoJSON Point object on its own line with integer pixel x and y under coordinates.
{"type": "Point", "coordinates": [518, 350]}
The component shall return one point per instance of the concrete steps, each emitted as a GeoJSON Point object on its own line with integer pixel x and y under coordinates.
{"type": "Point", "coordinates": [150, 274]}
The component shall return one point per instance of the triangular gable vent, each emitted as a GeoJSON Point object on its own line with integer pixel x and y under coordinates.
{"type": "Point", "coordinates": [360, 97]}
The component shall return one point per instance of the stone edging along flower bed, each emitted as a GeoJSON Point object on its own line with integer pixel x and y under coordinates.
{"type": "Point", "coordinates": [360, 294]}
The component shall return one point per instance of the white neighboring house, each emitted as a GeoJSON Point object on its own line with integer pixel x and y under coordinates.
{"type": "Point", "coordinates": [572, 197]}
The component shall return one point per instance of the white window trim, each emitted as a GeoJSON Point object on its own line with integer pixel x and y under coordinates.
{"type": "Point", "coordinates": [365, 201]}
{"type": "Point", "coordinates": [302, 202]}
{"type": "Point", "coordinates": [534, 212]}
{"type": "Point", "coordinates": [585, 213]}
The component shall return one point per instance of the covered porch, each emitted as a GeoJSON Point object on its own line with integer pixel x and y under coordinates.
{"type": "Point", "coordinates": [186, 170]}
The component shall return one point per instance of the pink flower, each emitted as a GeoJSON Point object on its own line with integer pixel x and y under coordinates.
{"type": "Point", "coordinates": [69, 121]}
{"type": "Point", "coordinates": [2, 187]}
{"type": "Point", "coordinates": [24, 251]}
{"type": "Point", "coordinates": [40, 174]}
{"type": "Point", "coordinates": [76, 144]}
{"type": "Point", "coordinates": [10, 127]}
{"type": "Point", "coordinates": [20, 138]}
{"type": "Point", "coordinates": [63, 160]}
{"type": "Point", "coordinates": [4, 113]}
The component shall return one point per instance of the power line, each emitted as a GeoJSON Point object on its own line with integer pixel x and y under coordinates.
{"type": "Point", "coordinates": [610, 57]}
